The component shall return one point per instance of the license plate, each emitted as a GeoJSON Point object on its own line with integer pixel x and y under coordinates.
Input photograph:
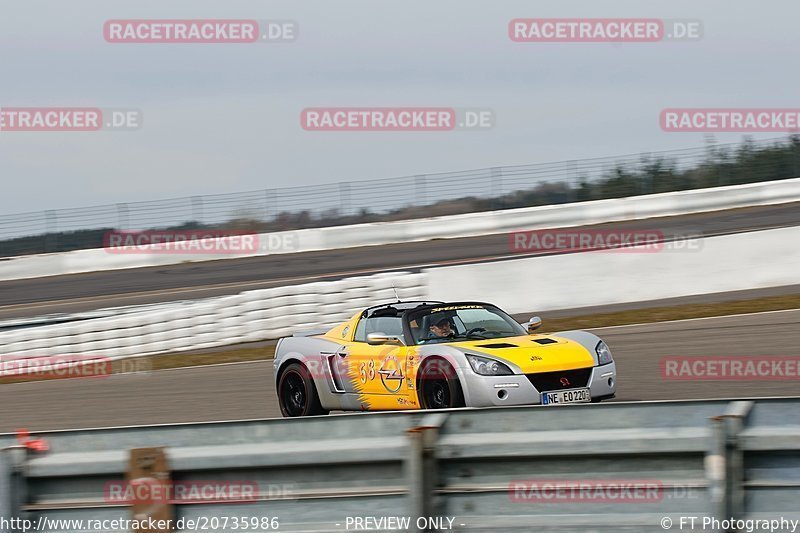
{"type": "Point", "coordinates": [566, 396]}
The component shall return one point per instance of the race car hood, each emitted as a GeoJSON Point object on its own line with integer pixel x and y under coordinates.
{"type": "Point", "coordinates": [532, 353]}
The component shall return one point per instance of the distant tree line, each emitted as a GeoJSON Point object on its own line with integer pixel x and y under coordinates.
{"type": "Point", "coordinates": [746, 164]}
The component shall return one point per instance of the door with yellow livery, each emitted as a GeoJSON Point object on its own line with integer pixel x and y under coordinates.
{"type": "Point", "coordinates": [378, 372]}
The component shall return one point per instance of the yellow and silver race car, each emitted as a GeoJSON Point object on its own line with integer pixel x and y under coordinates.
{"type": "Point", "coordinates": [433, 355]}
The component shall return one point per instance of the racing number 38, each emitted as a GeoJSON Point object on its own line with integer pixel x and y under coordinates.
{"type": "Point", "coordinates": [389, 370]}
{"type": "Point", "coordinates": [367, 371]}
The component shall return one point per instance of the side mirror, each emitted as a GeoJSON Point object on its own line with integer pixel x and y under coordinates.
{"type": "Point", "coordinates": [533, 324]}
{"type": "Point", "coordinates": [378, 338]}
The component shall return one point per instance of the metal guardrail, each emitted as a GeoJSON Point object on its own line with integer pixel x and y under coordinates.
{"type": "Point", "coordinates": [476, 469]}
{"type": "Point", "coordinates": [344, 202]}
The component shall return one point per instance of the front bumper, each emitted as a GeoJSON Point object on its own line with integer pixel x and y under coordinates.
{"type": "Point", "coordinates": [517, 389]}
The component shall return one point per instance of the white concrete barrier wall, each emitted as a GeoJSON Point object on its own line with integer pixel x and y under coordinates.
{"type": "Point", "coordinates": [244, 317]}
{"type": "Point", "coordinates": [466, 225]}
{"type": "Point", "coordinates": [751, 260]}
{"type": "Point", "coordinates": [715, 264]}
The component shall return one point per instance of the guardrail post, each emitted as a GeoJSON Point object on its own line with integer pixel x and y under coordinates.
{"type": "Point", "coordinates": [421, 467]}
{"type": "Point", "coordinates": [12, 486]}
{"type": "Point", "coordinates": [734, 421]}
{"type": "Point", "coordinates": [725, 462]}
{"type": "Point", "coordinates": [716, 469]}
{"type": "Point", "coordinates": [6, 494]}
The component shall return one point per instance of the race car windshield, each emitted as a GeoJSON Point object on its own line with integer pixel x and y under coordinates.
{"type": "Point", "coordinates": [461, 322]}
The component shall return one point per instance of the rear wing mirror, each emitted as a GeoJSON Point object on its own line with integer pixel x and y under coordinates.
{"type": "Point", "coordinates": [533, 324]}
{"type": "Point", "coordinates": [378, 338]}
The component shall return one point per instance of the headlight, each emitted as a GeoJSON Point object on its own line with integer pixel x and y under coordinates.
{"type": "Point", "coordinates": [603, 354]}
{"type": "Point", "coordinates": [488, 367]}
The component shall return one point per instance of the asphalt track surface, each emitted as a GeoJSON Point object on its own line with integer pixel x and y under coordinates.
{"type": "Point", "coordinates": [82, 292]}
{"type": "Point", "coordinates": [246, 390]}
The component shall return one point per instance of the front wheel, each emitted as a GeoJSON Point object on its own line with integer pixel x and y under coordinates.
{"type": "Point", "coordinates": [438, 386]}
{"type": "Point", "coordinates": [297, 394]}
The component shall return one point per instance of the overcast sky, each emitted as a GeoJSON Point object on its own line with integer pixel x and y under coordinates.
{"type": "Point", "coordinates": [226, 117]}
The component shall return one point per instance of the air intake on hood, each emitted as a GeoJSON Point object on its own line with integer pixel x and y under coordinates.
{"type": "Point", "coordinates": [498, 345]}
{"type": "Point", "coordinates": [545, 341]}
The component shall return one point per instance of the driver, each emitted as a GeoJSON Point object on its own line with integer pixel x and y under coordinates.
{"type": "Point", "coordinates": [442, 328]}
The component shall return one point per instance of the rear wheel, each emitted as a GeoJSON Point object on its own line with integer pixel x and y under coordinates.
{"type": "Point", "coordinates": [438, 386]}
{"type": "Point", "coordinates": [297, 394]}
